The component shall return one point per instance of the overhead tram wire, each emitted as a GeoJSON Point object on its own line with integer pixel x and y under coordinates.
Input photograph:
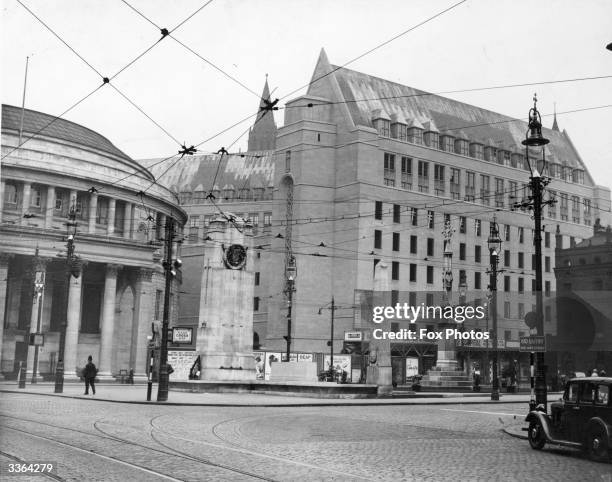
{"type": "Point", "coordinates": [386, 42]}
{"type": "Point", "coordinates": [105, 80]}
{"type": "Point", "coordinates": [216, 67]}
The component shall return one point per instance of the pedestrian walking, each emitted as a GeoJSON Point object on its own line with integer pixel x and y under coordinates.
{"type": "Point", "coordinates": [89, 373]}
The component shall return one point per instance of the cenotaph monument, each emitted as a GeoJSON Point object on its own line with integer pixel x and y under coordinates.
{"type": "Point", "coordinates": [225, 329]}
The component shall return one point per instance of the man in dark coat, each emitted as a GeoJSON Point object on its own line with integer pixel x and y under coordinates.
{"type": "Point", "coordinates": [89, 373]}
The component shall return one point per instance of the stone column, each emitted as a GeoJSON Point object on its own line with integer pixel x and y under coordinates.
{"type": "Point", "coordinates": [127, 220]}
{"type": "Point", "coordinates": [40, 266]}
{"type": "Point", "coordinates": [2, 188]}
{"type": "Point", "coordinates": [4, 265]}
{"type": "Point", "coordinates": [108, 321]}
{"type": "Point", "coordinates": [141, 326]}
{"type": "Point", "coordinates": [73, 317]}
{"type": "Point", "coordinates": [25, 201]}
{"type": "Point", "coordinates": [50, 207]}
{"type": "Point", "coordinates": [110, 227]}
{"type": "Point", "coordinates": [93, 208]}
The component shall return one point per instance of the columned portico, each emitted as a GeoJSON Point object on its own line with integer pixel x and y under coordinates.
{"type": "Point", "coordinates": [108, 321]}
{"type": "Point", "coordinates": [25, 203]}
{"type": "Point", "coordinates": [110, 227]}
{"type": "Point", "coordinates": [50, 207]}
{"type": "Point", "coordinates": [93, 209]}
{"type": "Point", "coordinates": [73, 317]}
{"type": "Point", "coordinates": [127, 220]}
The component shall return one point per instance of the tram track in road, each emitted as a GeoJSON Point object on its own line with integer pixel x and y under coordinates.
{"type": "Point", "coordinates": [102, 434]}
{"type": "Point", "coordinates": [232, 446]}
{"type": "Point", "coordinates": [19, 460]}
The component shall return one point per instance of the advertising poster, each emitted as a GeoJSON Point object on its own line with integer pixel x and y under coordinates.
{"type": "Point", "coordinates": [181, 362]}
{"type": "Point", "coordinates": [270, 359]}
{"type": "Point", "coordinates": [341, 363]}
{"type": "Point", "coordinates": [412, 368]}
{"type": "Point", "coordinates": [259, 362]}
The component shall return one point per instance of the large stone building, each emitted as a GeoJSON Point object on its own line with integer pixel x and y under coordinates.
{"type": "Point", "coordinates": [119, 211]}
{"type": "Point", "coordinates": [367, 170]}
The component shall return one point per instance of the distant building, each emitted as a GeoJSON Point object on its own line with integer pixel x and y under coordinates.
{"type": "Point", "coordinates": [583, 339]}
{"type": "Point", "coordinates": [364, 170]}
{"type": "Point", "coordinates": [120, 215]}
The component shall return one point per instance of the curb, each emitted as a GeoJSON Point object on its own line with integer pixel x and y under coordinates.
{"type": "Point", "coordinates": [272, 405]}
{"type": "Point", "coordinates": [515, 431]}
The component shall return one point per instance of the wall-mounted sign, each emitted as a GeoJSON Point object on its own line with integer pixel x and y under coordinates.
{"type": "Point", "coordinates": [182, 335]}
{"type": "Point", "coordinates": [37, 339]}
{"type": "Point", "coordinates": [353, 336]}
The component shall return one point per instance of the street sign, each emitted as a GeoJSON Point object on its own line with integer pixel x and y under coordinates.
{"type": "Point", "coordinates": [182, 335]}
{"type": "Point", "coordinates": [353, 336]}
{"type": "Point", "coordinates": [532, 343]}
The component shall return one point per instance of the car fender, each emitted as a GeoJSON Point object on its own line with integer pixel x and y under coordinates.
{"type": "Point", "coordinates": [598, 422]}
{"type": "Point", "coordinates": [544, 419]}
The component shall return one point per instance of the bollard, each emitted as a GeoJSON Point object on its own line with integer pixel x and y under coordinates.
{"type": "Point", "coordinates": [149, 389]}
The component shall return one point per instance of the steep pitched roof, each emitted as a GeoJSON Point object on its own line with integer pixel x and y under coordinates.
{"type": "Point", "coordinates": [450, 116]}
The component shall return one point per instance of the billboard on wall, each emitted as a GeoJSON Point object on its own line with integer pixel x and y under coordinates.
{"type": "Point", "coordinates": [341, 362]}
{"type": "Point", "coordinates": [412, 368]}
{"type": "Point", "coordinates": [181, 362]}
{"type": "Point", "coordinates": [259, 361]}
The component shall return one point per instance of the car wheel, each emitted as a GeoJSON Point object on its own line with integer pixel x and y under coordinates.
{"type": "Point", "coordinates": [597, 445]}
{"type": "Point", "coordinates": [536, 436]}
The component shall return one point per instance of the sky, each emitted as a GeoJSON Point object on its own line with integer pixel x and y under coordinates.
{"type": "Point", "coordinates": [478, 43]}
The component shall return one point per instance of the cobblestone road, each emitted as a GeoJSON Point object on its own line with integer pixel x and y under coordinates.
{"type": "Point", "coordinates": [110, 441]}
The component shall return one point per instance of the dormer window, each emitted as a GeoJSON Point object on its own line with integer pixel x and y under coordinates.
{"type": "Point", "coordinates": [490, 153]}
{"type": "Point", "coordinates": [447, 143]}
{"type": "Point", "coordinates": [578, 176]}
{"type": "Point", "coordinates": [398, 131]}
{"type": "Point", "coordinates": [381, 123]}
{"type": "Point", "coordinates": [462, 147]}
{"type": "Point", "coordinates": [415, 135]}
{"type": "Point", "coordinates": [432, 139]}
{"type": "Point", "coordinates": [516, 160]}
{"type": "Point", "coordinates": [476, 150]}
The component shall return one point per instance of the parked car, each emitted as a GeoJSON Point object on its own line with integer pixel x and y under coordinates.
{"type": "Point", "coordinates": [582, 419]}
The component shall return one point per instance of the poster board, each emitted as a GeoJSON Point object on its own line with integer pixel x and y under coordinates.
{"type": "Point", "coordinates": [181, 362]}
{"type": "Point", "coordinates": [259, 358]}
{"type": "Point", "coordinates": [412, 368]}
{"type": "Point", "coordinates": [340, 362]}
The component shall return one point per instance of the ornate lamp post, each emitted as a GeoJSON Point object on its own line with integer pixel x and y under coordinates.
{"type": "Point", "coordinates": [73, 268]}
{"type": "Point", "coordinates": [494, 243]}
{"type": "Point", "coordinates": [39, 289]}
{"type": "Point", "coordinates": [537, 183]}
{"type": "Point", "coordinates": [291, 275]}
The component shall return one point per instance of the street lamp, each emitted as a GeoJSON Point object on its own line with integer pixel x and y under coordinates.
{"type": "Point", "coordinates": [537, 183]}
{"type": "Point", "coordinates": [494, 243]}
{"type": "Point", "coordinates": [291, 275]}
{"type": "Point", "coordinates": [331, 342]}
{"type": "Point", "coordinates": [73, 266]}
{"type": "Point", "coordinates": [39, 289]}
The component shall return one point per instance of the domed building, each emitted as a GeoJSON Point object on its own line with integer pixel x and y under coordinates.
{"type": "Point", "coordinates": [67, 180]}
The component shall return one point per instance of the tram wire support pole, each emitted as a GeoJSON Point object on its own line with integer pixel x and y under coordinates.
{"type": "Point", "coordinates": [162, 388]}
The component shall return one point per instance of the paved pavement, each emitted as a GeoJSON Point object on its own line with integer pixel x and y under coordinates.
{"type": "Point", "coordinates": [110, 441]}
{"type": "Point", "coordinates": [138, 393]}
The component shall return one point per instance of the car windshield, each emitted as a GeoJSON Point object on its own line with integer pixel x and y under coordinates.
{"type": "Point", "coordinates": [587, 394]}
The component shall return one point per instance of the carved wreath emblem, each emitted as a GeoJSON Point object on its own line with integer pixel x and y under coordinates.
{"type": "Point", "coordinates": [235, 256]}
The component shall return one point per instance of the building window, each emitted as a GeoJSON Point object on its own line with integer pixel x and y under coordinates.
{"type": "Point", "coordinates": [499, 193]}
{"type": "Point", "coordinates": [477, 280]}
{"type": "Point", "coordinates": [521, 310]}
{"type": "Point", "coordinates": [477, 227]}
{"type": "Point", "coordinates": [507, 232]}
{"type": "Point", "coordinates": [521, 285]}
{"type": "Point", "coordinates": [394, 301]}
{"type": "Point", "coordinates": [430, 247]}
{"type": "Point", "coordinates": [507, 315]}
{"type": "Point", "coordinates": [439, 187]}
{"type": "Point", "coordinates": [389, 169]}
{"type": "Point", "coordinates": [257, 278]}
{"type": "Point", "coordinates": [462, 224]}
{"type": "Point", "coordinates": [432, 139]}
{"type": "Point", "coordinates": [521, 235]}
{"type": "Point", "coordinates": [287, 161]}
{"type": "Point", "coordinates": [377, 239]}
{"type": "Point", "coordinates": [414, 216]}
{"type": "Point", "coordinates": [506, 283]}
{"type": "Point", "coordinates": [462, 146]}
{"type": "Point", "coordinates": [10, 193]}
{"type": "Point", "coordinates": [476, 151]}
{"type": "Point", "coordinates": [378, 209]}
{"type": "Point", "coordinates": [256, 303]}
{"type": "Point", "coordinates": [415, 135]}
{"type": "Point", "coordinates": [396, 241]}
{"type": "Point", "coordinates": [406, 172]}
{"type": "Point", "coordinates": [521, 260]}
{"type": "Point", "coordinates": [470, 186]}
{"type": "Point", "coordinates": [430, 275]}
{"type": "Point", "coordinates": [547, 288]}
{"type": "Point", "coordinates": [413, 244]}
{"type": "Point", "coordinates": [485, 189]}
{"type": "Point", "coordinates": [376, 261]}
{"type": "Point", "coordinates": [35, 196]}
{"type": "Point", "coordinates": [455, 183]}
{"type": "Point", "coordinates": [547, 240]}
{"type": "Point", "coordinates": [396, 213]}
{"type": "Point", "coordinates": [547, 264]}
{"type": "Point", "coordinates": [102, 211]}
{"type": "Point", "coordinates": [461, 251]}
{"type": "Point", "coordinates": [267, 221]}
{"type": "Point", "coordinates": [507, 258]}
{"type": "Point", "coordinates": [413, 272]}
{"type": "Point", "coordinates": [423, 172]}
{"type": "Point", "coordinates": [395, 270]}
{"type": "Point", "coordinates": [430, 219]}
{"type": "Point", "coordinates": [447, 143]}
